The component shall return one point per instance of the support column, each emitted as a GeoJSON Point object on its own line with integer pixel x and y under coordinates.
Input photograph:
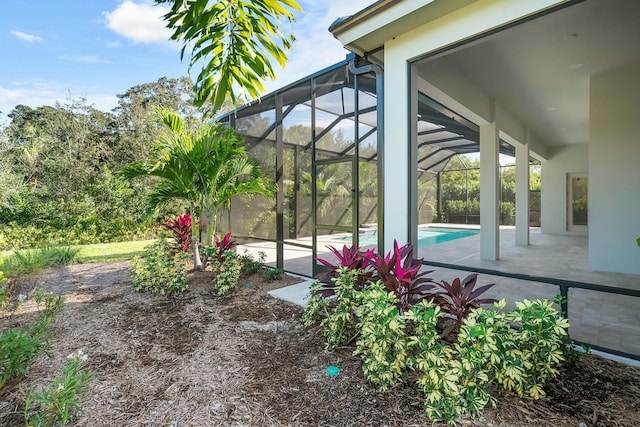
{"type": "Point", "coordinates": [396, 158]}
{"type": "Point", "coordinates": [280, 185]}
{"type": "Point", "coordinates": [489, 192]}
{"type": "Point", "coordinates": [522, 192]}
{"type": "Point", "coordinates": [412, 161]}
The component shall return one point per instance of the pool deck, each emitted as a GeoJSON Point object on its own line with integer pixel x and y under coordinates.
{"type": "Point", "coordinates": [604, 319]}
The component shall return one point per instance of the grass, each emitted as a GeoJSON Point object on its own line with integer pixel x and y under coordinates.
{"type": "Point", "coordinates": [118, 251]}
{"type": "Point", "coordinates": [32, 260]}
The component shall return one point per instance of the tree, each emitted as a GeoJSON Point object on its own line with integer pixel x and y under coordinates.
{"type": "Point", "coordinates": [137, 118]}
{"type": "Point", "coordinates": [205, 166]}
{"type": "Point", "coordinates": [10, 183]}
{"type": "Point", "coordinates": [236, 40]}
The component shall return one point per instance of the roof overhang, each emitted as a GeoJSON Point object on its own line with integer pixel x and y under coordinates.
{"type": "Point", "coordinates": [368, 30]}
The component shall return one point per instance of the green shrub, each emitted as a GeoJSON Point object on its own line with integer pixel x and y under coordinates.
{"type": "Point", "coordinates": [162, 270]}
{"type": "Point", "coordinates": [31, 260]}
{"type": "Point", "coordinates": [272, 274]}
{"type": "Point", "coordinates": [435, 361]}
{"type": "Point", "coordinates": [5, 290]}
{"type": "Point", "coordinates": [79, 232]}
{"type": "Point", "coordinates": [455, 378]}
{"type": "Point", "coordinates": [458, 208]}
{"type": "Point", "coordinates": [57, 403]}
{"type": "Point", "coordinates": [19, 346]}
{"type": "Point", "coordinates": [507, 213]}
{"type": "Point", "coordinates": [340, 325]}
{"type": "Point", "coordinates": [540, 339]}
{"type": "Point", "coordinates": [250, 265]}
{"type": "Point", "coordinates": [227, 272]}
{"type": "Point", "coordinates": [317, 307]}
{"type": "Point", "coordinates": [382, 343]}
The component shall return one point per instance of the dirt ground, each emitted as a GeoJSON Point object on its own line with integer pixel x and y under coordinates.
{"type": "Point", "coordinates": [245, 359]}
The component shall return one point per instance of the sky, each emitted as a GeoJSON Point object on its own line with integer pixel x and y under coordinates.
{"type": "Point", "coordinates": [54, 50]}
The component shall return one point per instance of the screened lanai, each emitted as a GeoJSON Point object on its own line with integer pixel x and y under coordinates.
{"type": "Point", "coordinates": [318, 139]}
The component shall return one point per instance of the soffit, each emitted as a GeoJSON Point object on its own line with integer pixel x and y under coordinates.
{"type": "Point", "coordinates": [539, 71]}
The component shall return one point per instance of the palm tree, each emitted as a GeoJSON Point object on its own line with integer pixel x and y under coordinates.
{"type": "Point", "coordinates": [205, 166]}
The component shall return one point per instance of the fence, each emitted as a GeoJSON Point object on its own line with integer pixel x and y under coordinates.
{"type": "Point", "coordinates": [564, 287]}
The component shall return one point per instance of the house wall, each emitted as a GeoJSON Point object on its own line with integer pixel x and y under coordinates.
{"type": "Point", "coordinates": [614, 174]}
{"type": "Point", "coordinates": [562, 161]}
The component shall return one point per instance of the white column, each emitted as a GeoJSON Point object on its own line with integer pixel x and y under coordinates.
{"type": "Point", "coordinates": [522, 193]}
{"type": "Point", "coordinates": [489, 192]}
{"type": "Point", "coordinates": [396, 151]}
{"type": "Point", "coordinates": [412, 163]}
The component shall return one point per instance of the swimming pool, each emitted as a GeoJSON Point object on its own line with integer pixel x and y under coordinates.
{"type": "Point", "coordinates": [427, 236]}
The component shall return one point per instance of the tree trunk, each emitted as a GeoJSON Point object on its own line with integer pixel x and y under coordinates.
{"type": "Point", "coordinates": [211, 227]}
{"type": "Point", "coordinates": [197, 262]}
{"type": "Point", "coordinates": [195, 231]}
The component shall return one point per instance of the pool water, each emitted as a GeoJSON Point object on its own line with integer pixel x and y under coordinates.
{"type": "Point", "coordinates": [426, 236]}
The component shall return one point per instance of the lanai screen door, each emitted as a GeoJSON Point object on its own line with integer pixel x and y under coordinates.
{"type": "Point", "coordinates": [336, 215]}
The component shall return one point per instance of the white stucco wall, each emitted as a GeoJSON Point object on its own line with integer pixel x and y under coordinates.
{"type": "Point", "coordinates": [562, 161]}
{"type": "Point", "coordinates": [614, 170]}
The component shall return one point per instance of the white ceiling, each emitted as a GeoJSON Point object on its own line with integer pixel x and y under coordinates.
{"type": "Point", "coordinates": [540, 70]}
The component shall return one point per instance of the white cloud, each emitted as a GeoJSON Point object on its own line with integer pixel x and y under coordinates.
{"type": "Point", "coordinates": [85, 59]}
{"type": "Point", "coordinates": [36, 93]}
{"type": "Point", "coordinates": [31, 38]}
{"type": "Point", "coordinates": [88, 59]}
{"type": "Point", "coordinates": [139, 22]}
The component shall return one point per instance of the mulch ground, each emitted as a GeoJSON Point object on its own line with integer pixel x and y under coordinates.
{"type": "Point", "coordinates": [245, 359]}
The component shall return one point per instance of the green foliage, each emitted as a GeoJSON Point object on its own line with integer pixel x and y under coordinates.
{"type": "Point", "coordinates": [489, 351]}
{"type": "Point", "coordinates": [507, 213]}
{"type": "Point", "coordinates": [457, 208]}
{"type": "Point", "coordinates": [57, 403]}
{"type": "Point", "coordinates": [272, 274]}
{"type": "Point", "coordinates": [31, 260]}
{"type": "Point", "coordinates": [455, 378]}
{"type": "Point", "coordinates": [317, 307]}
{"type": "Point", "coordinates": [64, 156]}
{"type": "Point", "coordinates": [227, 272]}
{"type": "Point", "coordinates": [382, 343]}
{"type": "Point", "coordinates": [205, 166]}
{"type": "Point", "coordinates": [435, 361]}
{"type": "Point", "coordinates": [340, 325]}
{"type": "Point", "coordinates": [461, 192]}
{"type": "Point", "coordinates": [5, 290]}
{"type": "Point", "coordinates": [57, 182]}
{"type": "Point", "coordinates": [541, 339]}
{"type": "Point", "coordinates": [90, 229]}
{"type": "Point", "coordinates": [249, 264]}
{"type": "Point", "coordinates": [162, 270]}
{"type": "Point", "coordinates": [19, 346]}
{"type": "Point", "coordinates": [234, 40]}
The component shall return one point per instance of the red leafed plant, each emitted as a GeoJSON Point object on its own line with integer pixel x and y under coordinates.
{"type": "Point", "coordinates": [400, 273]}
{"type": "Point", "coordinates": [461, 296]}
{"type": "Point", "coordinates": [349, 257]}
{"type": "Point", "coordinates": [180, 227]}
{"type": "Point", "coordinates": [223, 245]}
